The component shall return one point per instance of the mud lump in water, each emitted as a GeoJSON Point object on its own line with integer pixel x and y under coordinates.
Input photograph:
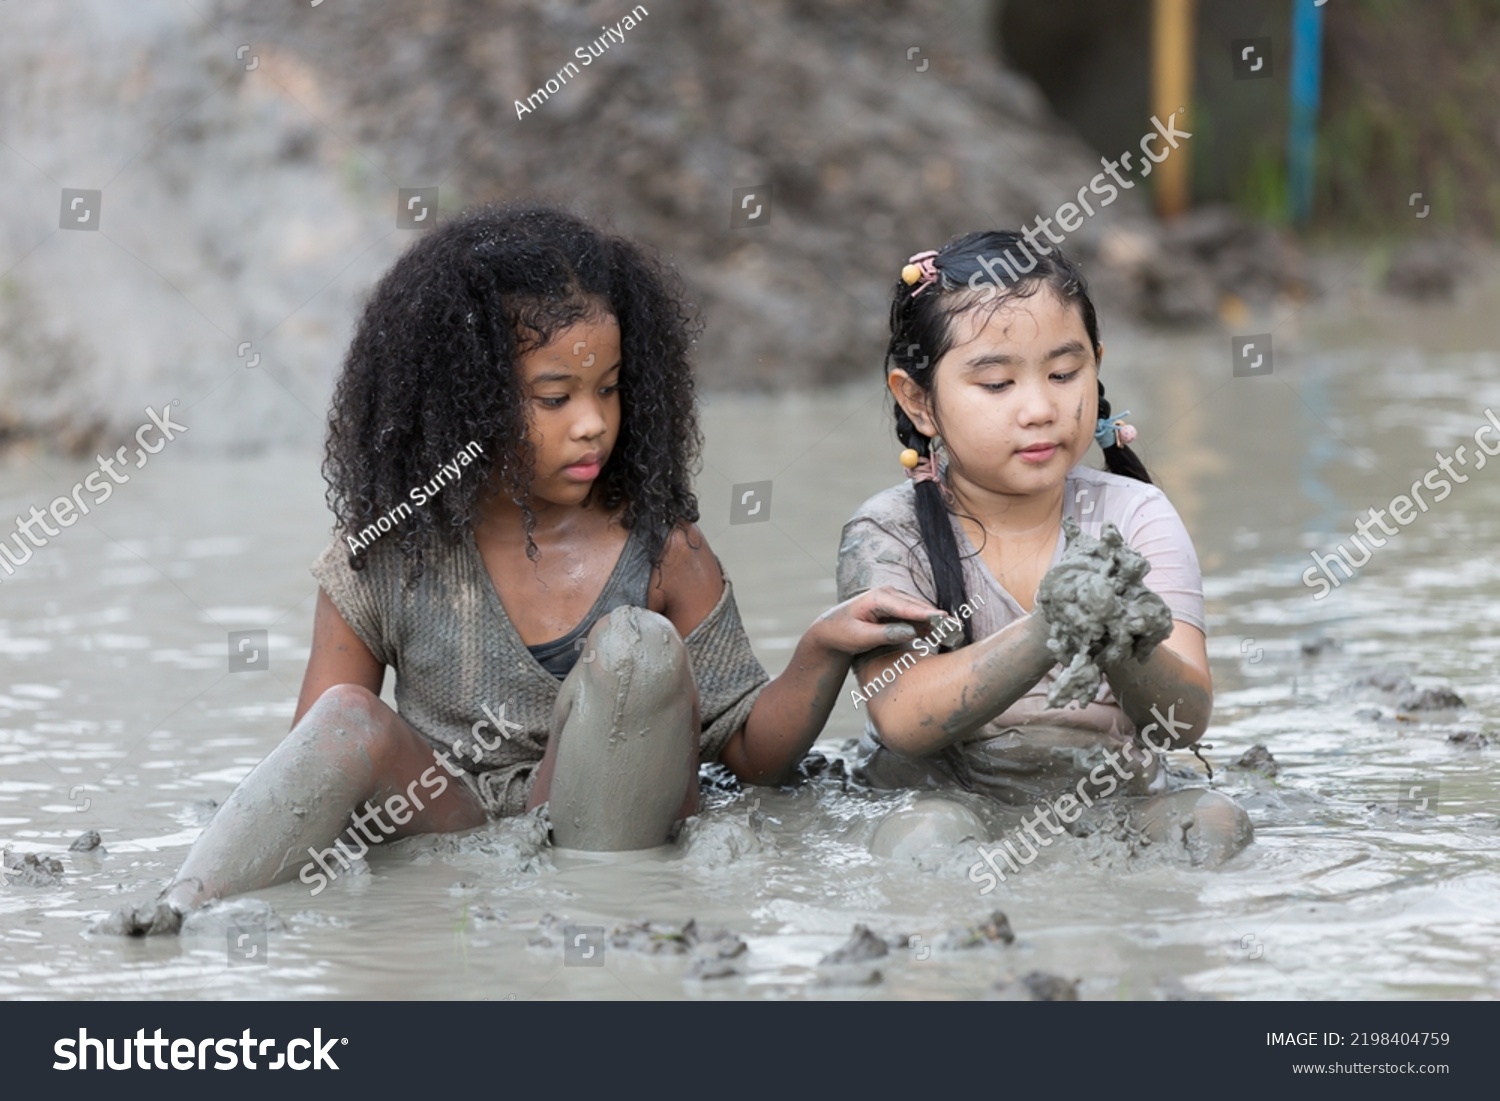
{"type": "Point", "coordinates": [1098, 611]}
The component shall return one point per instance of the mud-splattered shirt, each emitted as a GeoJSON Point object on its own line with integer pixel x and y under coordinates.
{"type": "Point", "coordinates": [458, 658]}
{"type": "Point", "coordinates": [1008, 756]}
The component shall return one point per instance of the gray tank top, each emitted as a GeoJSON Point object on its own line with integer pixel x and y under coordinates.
{"type": "Point", "coordinates": [627, 586]}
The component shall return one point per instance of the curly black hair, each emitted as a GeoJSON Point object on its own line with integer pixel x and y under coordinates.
{"type": "Point", "coordinates": [433, 366]}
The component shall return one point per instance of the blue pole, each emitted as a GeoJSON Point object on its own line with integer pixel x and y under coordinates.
{"type": "Point", "coordinates": [1307, 76]}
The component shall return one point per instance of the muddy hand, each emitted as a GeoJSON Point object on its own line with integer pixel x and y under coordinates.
{"type": "Point", "coordinates": [875, 619]}
{"type": "Point", "coordinates": [1098, 611]}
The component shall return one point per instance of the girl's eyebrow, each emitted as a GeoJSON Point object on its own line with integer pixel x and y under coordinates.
{"type": "Point", "coordinates": [1005, 359]}
{"type": "Point", "coordinates": [564, 376]}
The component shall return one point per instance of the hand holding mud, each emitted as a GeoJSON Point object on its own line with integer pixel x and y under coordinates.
{"type": "Point", "coordinates": [1098, 611]}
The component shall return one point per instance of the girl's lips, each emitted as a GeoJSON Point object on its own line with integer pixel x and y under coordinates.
{"type": "Point", "coordinates": [1038, 454]}
{"type": "Point", "coordinates": [584, 472]}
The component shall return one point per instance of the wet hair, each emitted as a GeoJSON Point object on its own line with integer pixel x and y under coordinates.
{"type": "Point", "coordinates": [434, 365]}
{"type": "Point", "coordinates": [975, 271]}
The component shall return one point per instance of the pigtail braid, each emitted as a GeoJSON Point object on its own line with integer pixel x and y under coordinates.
{"type": "Point", "coordinates": [1119, 459]}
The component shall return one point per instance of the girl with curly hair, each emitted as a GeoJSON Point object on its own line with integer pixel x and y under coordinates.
{"type": "Point", "coordinates": [509, 459]}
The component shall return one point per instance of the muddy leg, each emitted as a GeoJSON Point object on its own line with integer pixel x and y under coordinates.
{"type": "Point", "coordinates": [622, 760]}
{"type": "Point", "coordinates": [1212, 827]}
{"type": "Point", "coordinates": [348, 749]}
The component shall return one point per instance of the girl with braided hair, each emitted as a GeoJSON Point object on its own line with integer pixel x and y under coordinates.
{"type": "Point", "coordinates": [995, 376]}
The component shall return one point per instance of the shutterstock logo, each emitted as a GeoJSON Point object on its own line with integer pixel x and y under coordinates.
{"type": "Point", "coordinates": [157, 1052]}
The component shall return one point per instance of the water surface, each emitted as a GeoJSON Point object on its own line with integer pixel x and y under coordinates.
{"type": "Point", "coordinates": [118, 713]}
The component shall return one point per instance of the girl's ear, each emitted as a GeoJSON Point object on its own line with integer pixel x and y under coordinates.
{"type": "Point", "coordinates": [913, 401]}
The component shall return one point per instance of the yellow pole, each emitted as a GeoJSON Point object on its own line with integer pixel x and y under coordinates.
{"type": "Point", "coordinates": [1172, 90]}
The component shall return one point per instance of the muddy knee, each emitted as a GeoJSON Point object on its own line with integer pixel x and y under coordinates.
{"type": "Point", "coordinates": [346, 724]}
{"type": "Point", "coordinates": [627, 728]}
{"type": "Point", "coordinates": [930, 822]}
{"type": "Point", "coordinates": [1212, 827]}
{"type": "Point", "coordinates": [1223, 827]}
{"type": "Point", "coordinates": [629, 641]}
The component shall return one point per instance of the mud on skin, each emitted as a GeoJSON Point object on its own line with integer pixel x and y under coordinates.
{"type": "Point", "coordinates": [1098, 611]}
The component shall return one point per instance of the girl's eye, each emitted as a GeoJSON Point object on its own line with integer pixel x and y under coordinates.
{"type": "Point", "coordinates": [999, 387]}
{"type": "Point", "coordinates": [615, 389]}
{"type": "Point", "coordinates": [551, 403]}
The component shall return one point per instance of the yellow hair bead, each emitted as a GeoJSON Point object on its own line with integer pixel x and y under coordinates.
{"type": "Point", "coordinates": [910, 274]}
{"type": "Point", "coordinates": [910, 459]}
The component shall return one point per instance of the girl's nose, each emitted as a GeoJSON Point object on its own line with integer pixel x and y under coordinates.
{"type": "Point", "coordinates": [591, 421]}
{"type": "Point", "coordinates": [1038, 405]}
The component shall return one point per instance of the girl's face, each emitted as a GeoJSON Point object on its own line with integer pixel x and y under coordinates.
{"type": "Point", "coordinates": [573, 387]}
{"type": "Point", "coordinates": [1016, 396]}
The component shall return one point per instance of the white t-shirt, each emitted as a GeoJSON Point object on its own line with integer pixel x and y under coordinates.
{"type": "Point", "coordinates": [882, 545]}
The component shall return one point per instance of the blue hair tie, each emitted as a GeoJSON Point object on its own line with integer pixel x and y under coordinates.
{"type": "Point", "coordinates": [1104, 434]}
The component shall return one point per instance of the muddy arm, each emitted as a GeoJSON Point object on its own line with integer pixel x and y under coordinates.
{"type": "Point", "coordinates": [1171, 691]}
{"type": "Point", "coordinates": [936, 699]}
{"type": "Point", "coordinates": [790, 712]}
{"type": "Point", "coordinates": [788, 716]}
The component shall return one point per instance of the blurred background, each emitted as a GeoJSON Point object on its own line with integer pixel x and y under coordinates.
{"type": "Point", "coordinates": [247, 160]}
{"type": "Point", "coordinates": [201, 193]}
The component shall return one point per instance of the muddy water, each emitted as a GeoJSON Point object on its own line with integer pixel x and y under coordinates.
{"type": "Point", "coordinates": [118, 713]}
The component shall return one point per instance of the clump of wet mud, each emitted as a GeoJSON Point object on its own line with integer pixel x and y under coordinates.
{"type": "Point", "coordinates": [658, 938]}
{"type": "Point", "coordinates": [1112, 834]}
{"type": "Point", "coordinates": [1471, 739]}
{"type": "Point", "coordinates": [852, 963]}
{"type": "Point", "coordinates": [30, 870]}
{"type": "Point", "coordinates": [1098, 611]}
{"type": "Point", "coordinates": [222, 915]}
{"type": "Point", "coordinates": [815, 766]}
{"type": "Point", "coordinates": [861, 947]}
{"type": "Point", "coordinates": [1036, 986]}
{"type": "Point", "coordinates": [1257, 759]}
{"type": "Point", "coordinates": [140, 919]}
{"type": "Point", "coordinates": [994, 929]}
{"type": "Point", "coordinates": [518, 844]}
{"type": "Point", "coordinates": [1394, 681]}
{"type": "Point", "coordinates": [716, 839]}
{"type": "Point", "coordinates": [717, 956]}
{"type": "Point", "coordinates": [1432, 699]}
{"type": "Point", "coordinates": [89, 842]}
{"type": "Point", "coordinates": [714, 953]}
{"type": "Point", "coordinates": [157, 918]}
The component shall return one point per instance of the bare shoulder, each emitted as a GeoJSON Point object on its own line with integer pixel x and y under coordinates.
{"type": "Point", "coordinates": [688, 580]}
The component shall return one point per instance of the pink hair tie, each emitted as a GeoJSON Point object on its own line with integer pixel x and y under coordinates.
{"type": "Point", "coordinates": [920, 469]}
{"type": "Point", "coordinates": [926, 471]}
{"type": "Point", "coordinates": [1126, 434]}
{"type": "Point", "coordinates": [920, 270]}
